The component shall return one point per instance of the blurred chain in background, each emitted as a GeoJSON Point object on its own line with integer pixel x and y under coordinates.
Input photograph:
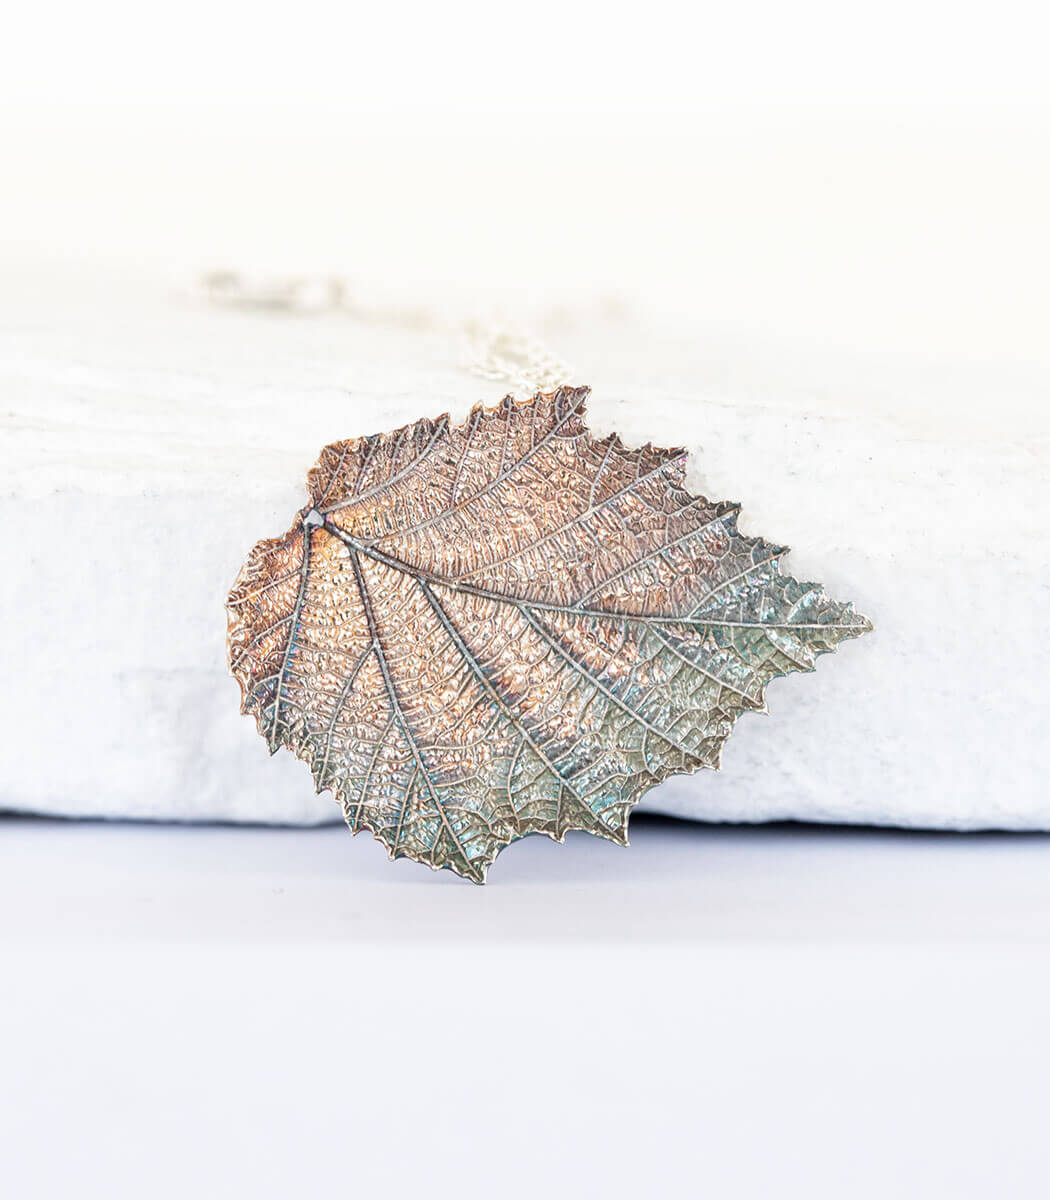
{"type": "Point", "coordinates": [496, 351]}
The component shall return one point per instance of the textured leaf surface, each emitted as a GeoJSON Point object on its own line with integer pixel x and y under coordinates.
{"type": "Point", "coordinates": [477, 632]}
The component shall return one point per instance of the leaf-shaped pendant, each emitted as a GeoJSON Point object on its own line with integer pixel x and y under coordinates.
{"type": "Point", "coordinates": [476, 632]}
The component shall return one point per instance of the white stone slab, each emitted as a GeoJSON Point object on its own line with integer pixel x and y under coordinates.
{"type": "Point", "coordinates": [149, 443]}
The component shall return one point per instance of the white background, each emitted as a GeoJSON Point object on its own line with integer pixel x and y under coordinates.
{"type": "Point", "coordinates": [712, 1011]}
{"type": "Point", "coordinates": [278, 1013]}
{"type": "Point", "coordinates": [823, 174]}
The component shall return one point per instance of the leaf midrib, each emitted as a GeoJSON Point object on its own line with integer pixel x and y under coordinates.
{"type": "Point", "coordinates": [521, 602]}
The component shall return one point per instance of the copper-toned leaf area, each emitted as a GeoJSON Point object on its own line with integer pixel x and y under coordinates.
{"type": "Point", "coordinates": [476, 632]}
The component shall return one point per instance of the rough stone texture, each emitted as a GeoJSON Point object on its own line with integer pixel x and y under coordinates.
{"type": "Point", "coordinates": [148, 445]}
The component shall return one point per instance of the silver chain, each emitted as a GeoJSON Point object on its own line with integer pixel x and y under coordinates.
{"type": "Point", "coordinates": [497, 352]}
